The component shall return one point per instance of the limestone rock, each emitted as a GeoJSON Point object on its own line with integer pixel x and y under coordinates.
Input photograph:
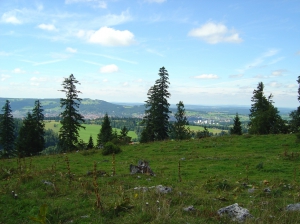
{"type": "Point", "coordinates": [293, 207]}
{"type": "Point", "coordinates": [235, 212]}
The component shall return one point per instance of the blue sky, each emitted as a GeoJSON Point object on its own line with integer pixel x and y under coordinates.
{"type": "Point", "coordinates": [215, 52]}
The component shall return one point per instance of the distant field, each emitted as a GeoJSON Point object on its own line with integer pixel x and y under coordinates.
{"type": "Point", "coordinates": [90, 130]}
{"type": "Point", "coordinates": [199, 128]}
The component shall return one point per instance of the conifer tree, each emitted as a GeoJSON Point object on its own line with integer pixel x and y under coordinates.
{"type": "Point", "coordinates": [156, 119]}
{"type": "Point", "coordinates": [91, 143]}
{"type": "Point", "coordinates": [295, 115]}
{"type": "Point", "coordinates": [179, 130]}
{"type": "Point", "coordinates": [7, 129]}
{"type": "Point", "coordinates": [264, 117]}
{"type": "Point", "coordinates": [106, 133]}
{"type": "Point", "coordinates": [38, 117]}
{"type": "Point", "coordinates": [71, 119]}
{"type": "Point", "coordinates": [237, 128]}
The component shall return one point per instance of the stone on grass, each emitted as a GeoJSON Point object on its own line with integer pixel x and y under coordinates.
{"type": "Point", "coordinates": [293, 207]}
{"type": "Point", "coordinates": [142, 167]}
{"type": "Point", "coordinates": [235, 212]}
{"type": "Point", "coordinates": [163, 189]}
{"type": "Point", "coordinates": [189, 208]}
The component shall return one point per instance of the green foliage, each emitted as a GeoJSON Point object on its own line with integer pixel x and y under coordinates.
{"type": "Point", "coordinates": [31, 139]}
{"type": "Point", "coordinates": [110, 148]}
{"type": "Point", "coordinates": [237, 128]}
{"type": "Point", "coordinates": [71, 119]}
{"type": "Point", "coordinates": [51, 138]}
{"type": "Point", "coordinates": [90, 145]}
{"type": "Point", "coordinates": [202, 134]}
{"type": "Point", "coordinates": [156, 119]}
{"type": "Point", "coordinates": [7, 129]}
{"type": "Point", "coordinates": [264, 117]}
{"type": "Point", "coordinates": [106, 133]}
{"type": "Point", "coordinates": [295, 117]}
{"type": "Point", "coordinates": [179, 130]}
{"type": "Point", "coordinates": [41, 218]}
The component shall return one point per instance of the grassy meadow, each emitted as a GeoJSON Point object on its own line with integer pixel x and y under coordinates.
{"type": "Point", "coordinates": [94, 129]}
{"type": "Point", "coordinates": [210, 173]}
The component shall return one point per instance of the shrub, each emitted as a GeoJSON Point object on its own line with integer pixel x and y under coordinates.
{"type": "Point", "coordinates": [110, 148]}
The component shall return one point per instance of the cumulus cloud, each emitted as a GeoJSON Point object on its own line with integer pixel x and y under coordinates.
{"type": "Point", "coordinates": [49, 27]}
{"type": "Point", "coordinates": [105, 80]}
{"type": "Point", "coordinates": [236, 76]}
{"type": "Point", "coordinates": [4, 77]}
{"type": "Point", "coordinates": [206, 76]}
{"type": "Point", "coordinates": [279, 72]}
{"type": "Point", "coordinates": [18, 71]}
{"type": "Point", "coordinates": [71, 50]}
{"type": "Point", "coordinates": [110, 37]}
{"type": "Point", "coordinates": [214, 33]}
{"type": "Point", "coordinates": [109, 68]}
{"type": "Point", "coordinates": [10, 17]}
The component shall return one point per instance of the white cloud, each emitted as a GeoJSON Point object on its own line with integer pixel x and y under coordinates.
{"type": "Point", "coordinates": [274, 84]}
{"type": "Point", "coordinates": [215, 33]}
{"type": "Point", "coordinates": [279, 72]}
{"type": "Point", "coordinates": [105, 80]}
{"type": "Point", "coordinates": [4, 77]}
{"type": "Point", "coordinates": [71, 50]}
{"type": "Point", "coordinates": [155, 1]}
{"type": "Point", "coordinates": [3, 53]}
{"type": "Point", "coordinates": [10, 17]}
{"type": "Point", "coordinates": [206, 76]}
{"type": "Point", "coordinates": [110, 37]}
{"type": "Point", "coordinates": [113, 19]}
{"type": "Point", "coordinates": [125, 84]}
{"type": "Point", "coordinates": [236, 76]}
{"type": "Point", "coordinates": [39, 79]}
{"type": "Point", "coordinates": [49, 27]}
{"type": "Point", "coordinates": [259, 60]}
{"type": "Point", "coordinates": [94, 3]}
{"type": "Point", "coordinates": [109, 68]}
{"type": "Point", "coordinates": [18, 71]}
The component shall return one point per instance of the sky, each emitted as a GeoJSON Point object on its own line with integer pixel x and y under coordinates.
{"type": "Point", "coordinates": [215, 52]}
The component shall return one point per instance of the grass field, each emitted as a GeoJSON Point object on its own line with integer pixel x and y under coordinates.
{"type": "Point", "coordinates": [93, 130]}
{"type": "Point", "coordinates": [90, 130]}
{"type": "Point", "coordinates": [214, 172]}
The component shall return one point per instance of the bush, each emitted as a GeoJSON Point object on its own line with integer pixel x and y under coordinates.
{"type": "Point", "coordinates": [110, 148]}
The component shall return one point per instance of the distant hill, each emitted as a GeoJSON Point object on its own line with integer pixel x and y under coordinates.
{"type": "Point", "coordinates": [88, 107]}
{"type": "Point", "coordinates": [97, 108]}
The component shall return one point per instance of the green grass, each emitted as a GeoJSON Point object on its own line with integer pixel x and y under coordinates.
{"type": "Point", "coordinates": [90, 130]}
{"type": "Point", "coordinates": [215, 172]}
{"type": "Point", "coordinates": [200, 128]}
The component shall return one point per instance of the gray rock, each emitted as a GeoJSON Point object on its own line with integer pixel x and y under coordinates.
{"type": "Point", "coordinates": [235, 212]}
{"type": "Point", "coordinates": [267, 190]}
{"type": "Point", "coordinates": [163, 189]}
{"type": "Point", "coordinates": [293, 207]}
{"type": "Point", "coordinates": [142, 167]}
{"type": "Point", "coordinates": [189, 208]}
{"type": "Point", "coordinates": [47, 182]}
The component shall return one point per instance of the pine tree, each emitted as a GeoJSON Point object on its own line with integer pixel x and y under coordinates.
{"type": "Point", "coordinates": [106, 133]}
{"type": "Point", "coordinates": [237, 128]}
{"type": "Point", "coordinates": [179, 130]}
{"type": "Point", "coordinates": [91, 143]}
{"type": "Point", "coordinates": [264, 117]}
{"type": "Point", "coordinates": [156, 119]}
{"type": "Point", "coordinates": [295, 115]}
{"type": "Point", "coordinates": [7, 128]}
{"type": "Point", "coordinates": [71, 119]}
{"type": "Point", "coordinates": [38, 117]}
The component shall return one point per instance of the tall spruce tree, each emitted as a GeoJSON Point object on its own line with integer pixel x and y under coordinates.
{"type": "Point", "coordinates": [71, 119]}
{"type": "Point", "coordinates": [7, 131]}
{"type": "Point", "coordinates": [31, 139]}
{"type": "Point", "coordinates": [106, 134]}
{"type": "Point", "coordinates": [38, 117]}
{"type": "Point", "coordinates": [180, 131]}
{"type": "Point", "coordinates": [295, 115]}
{"type": "Point", "coordinates": [264, 117]}
{"type": "Point", "coordinates": [156, 119]}
{"type": "Point", "coordinates": [237, 128]}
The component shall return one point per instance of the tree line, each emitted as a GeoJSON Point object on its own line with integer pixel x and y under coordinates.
{"type": "Point", "coordinates": [31, 137]}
